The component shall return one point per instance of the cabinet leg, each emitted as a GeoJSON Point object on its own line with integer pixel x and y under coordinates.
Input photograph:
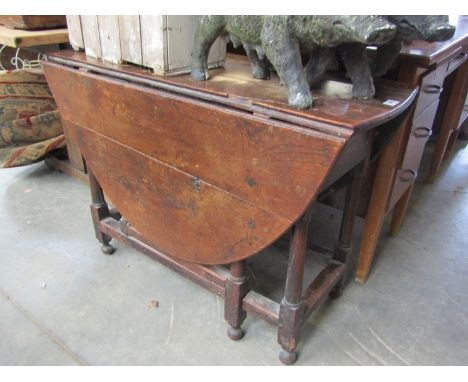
{"type": "Point", "coordinates": [292, 307]}
{"type": "Point", "coordinates": [372, 228]}
{"type": "Point", "coordinates": [99, 211]}
{"type": "Point", "coordinates": [448, 130]}
{"type": "Point", "coordinates": [439, 151]}
{"type": "Point", "coordinates": [381, 190]}
{"type": "Point", "coordinates": [236, 287]}
{"type": "Point", "coordinates": [451, 144]}
{"type": "Point", "coordinates": [399, 211]}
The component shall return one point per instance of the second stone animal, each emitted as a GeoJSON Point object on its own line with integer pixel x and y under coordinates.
{"type": "Point", "coordinates": [354, 55]}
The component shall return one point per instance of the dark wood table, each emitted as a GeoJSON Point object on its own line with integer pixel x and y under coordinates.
{"type": "Point", "coordinates": [440, 70]}
{"type": "Point", "coordinates": [210, 173]}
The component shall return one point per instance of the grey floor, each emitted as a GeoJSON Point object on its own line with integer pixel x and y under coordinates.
{"type": "Point", "coordinates": [64, 303]}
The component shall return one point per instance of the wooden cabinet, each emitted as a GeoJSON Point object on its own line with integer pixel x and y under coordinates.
{"type": "Point", "coordinates": [162, 43]}
{"type": "Point", "coordinates": [454, 115]}
{"type": "Point", "coordinates": [416, 141]}
{"type": "Point", "coordinates": [430, 89]}
{"type": "Point", "coordinates": [427, 65]}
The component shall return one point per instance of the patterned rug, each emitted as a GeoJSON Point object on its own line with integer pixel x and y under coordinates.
{"type": "Point", "coordinates": [30, 124]}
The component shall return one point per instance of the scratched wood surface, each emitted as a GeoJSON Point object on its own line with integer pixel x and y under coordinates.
{"type": "Point", "coordinates": [205, 184]}
{"type": "Point", "coordinates": [234, 85]}
{"type": "Point", "coordinates": [201, 181]}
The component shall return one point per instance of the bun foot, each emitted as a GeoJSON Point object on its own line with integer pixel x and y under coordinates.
{"type": "Point", "coordinates": [107, 249]}
{"type": "Point", "coordinates": [288, 358]}
{"type": "Point", "coordinates": [235, 334]}
{"type": "Point", "coordinates": [335, 294]}
{"type": "Point", "coordinates": [337, 290]}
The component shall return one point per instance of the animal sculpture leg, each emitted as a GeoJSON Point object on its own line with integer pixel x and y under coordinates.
{"type": "Point", "coordinates": [385, 56]}
{"type": "Point", "coordinates": [260, 67]}
{"type": "Point", "coordinates": [283, 52]}
{"type": "Point", "coordinates": [208, 30]}
{"type": "Point", "coordinates": [358, 69]}
{"type": "Point", "coordinates": [317, 65]}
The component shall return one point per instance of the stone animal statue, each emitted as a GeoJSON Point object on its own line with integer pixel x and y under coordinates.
{"type": "Point", "coordinates": [279, 38]}
{"type": "Point", "coordinates": [429, 28]}
{"type": "Point", "coordinates": [354, 55]}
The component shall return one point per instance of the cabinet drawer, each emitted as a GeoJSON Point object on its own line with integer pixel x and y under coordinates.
{"type": "Point", "coordinates": [431, 87]}
{"type": "Point", "coordinates": [420, 132]}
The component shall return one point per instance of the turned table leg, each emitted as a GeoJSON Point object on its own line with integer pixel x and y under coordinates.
{"type": "Point", "coordinates": [99, 211]}
{"type": "Point", "coordinates": [236, 287]}
{"type": "Point", "coordinates": [344, 246]}
{"type": "Point", "coordinates": [292, 307]}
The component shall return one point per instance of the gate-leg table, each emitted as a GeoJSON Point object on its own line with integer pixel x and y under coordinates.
{"type": "Point", "coordinates": [206, 174]}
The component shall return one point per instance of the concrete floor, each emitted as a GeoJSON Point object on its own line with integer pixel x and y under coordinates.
{"type": "Point", "coordinates": [64, 303]}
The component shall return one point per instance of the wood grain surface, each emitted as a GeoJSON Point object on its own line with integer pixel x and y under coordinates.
{"type": "Point", "coordinates": [17, 38]}
{"type": "Point", "coordinates": [333, 112]}
{"type": "Point", "coordinates": [202, 181]}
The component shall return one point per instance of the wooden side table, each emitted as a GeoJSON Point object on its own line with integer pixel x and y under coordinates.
{"type": "Point", "coordinates": [427, 65]}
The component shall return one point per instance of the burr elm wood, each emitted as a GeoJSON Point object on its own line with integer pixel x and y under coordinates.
{"type": "Point", "coordinates": [211, 173]}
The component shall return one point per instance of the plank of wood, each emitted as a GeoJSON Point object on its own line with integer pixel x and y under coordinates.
{"type": "Point", "coordinates": [153, 35]}
{"type": "Point", "coordinates": [16, 38]}
{"type": "Point", "coordinates": [130, 39]}
{"type": "Point", "coordinates": [74, 32]}
{"type": "Point", "coordinates": [33, 21]}
{"type": "Point", "coordinates": [180, 39]}
{"type": "Point", "coordinates": [110, 38]}
{"type": "Point", "coordinates": [91, 38]}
